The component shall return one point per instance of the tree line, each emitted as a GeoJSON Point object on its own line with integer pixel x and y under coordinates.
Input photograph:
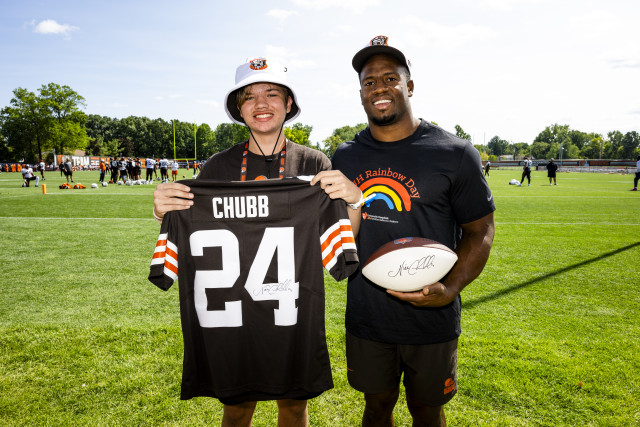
{"type": "Point", "coordinates": [35, 125]}
{"type": "Point", "coordinates": [560, 141]}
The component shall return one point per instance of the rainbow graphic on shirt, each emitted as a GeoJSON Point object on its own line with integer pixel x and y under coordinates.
{"type": "Point", "coordinates": [394, 194]}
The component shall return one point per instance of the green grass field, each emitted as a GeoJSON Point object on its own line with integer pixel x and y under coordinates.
{"type": "Point", "coordinates": [551, 330]}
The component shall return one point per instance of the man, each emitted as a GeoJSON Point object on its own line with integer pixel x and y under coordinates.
{"type": "Point", "coordinates": [114, 170]}
{"type": "Point", "coordinates": [552, 167]}
{"type": "Point", "coordinates": [637, 178]}
{"type": "Point", "coordinates": [487, 167]}
{"type": "Point", "coordinates": [150, 165]}
{"type": "Point", "coordinates": [102, 167]}
{"type": "Point", "coordinates": [122, 166]}
{"type": "Point", "coordinates": [68, 170]}
{"type": "Point", "coordinates": [28, 176]}
{"type": "Point", "coordinates": [441, 194]}
{"type": "Point", "coordinates": [263, 101]}
{"type": "Point", "coordinates": [174, 170]}
{"type": "Point", "coordinates": [41, 168]}
{"type": "Point", "coordinates": [164, 164]}
{"type": "Point", "coordinates": [526, 171]}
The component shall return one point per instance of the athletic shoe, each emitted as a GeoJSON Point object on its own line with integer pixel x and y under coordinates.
{"type": "Point", "coordinates": [528, 185]}
{"type": "Point", "coordinates": [634, 189]}
{"type": "Point", "coordinates": [37, 185]}
{"type": "Point", "coordinates": [555, 183]}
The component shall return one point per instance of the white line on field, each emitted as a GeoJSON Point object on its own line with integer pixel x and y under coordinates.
{"type": "Point", "coordinates": [625, 224]}
{"type": "Point", "coordinates": [74, 218]}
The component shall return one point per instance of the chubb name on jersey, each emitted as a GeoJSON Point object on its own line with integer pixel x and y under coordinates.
{"type": "Point", "coordinates": [241, 207]}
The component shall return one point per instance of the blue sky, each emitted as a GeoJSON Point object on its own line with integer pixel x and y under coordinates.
{"type": "Point", "coordinates": [496, 67]}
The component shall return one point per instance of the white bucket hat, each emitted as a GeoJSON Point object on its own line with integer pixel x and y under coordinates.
{"type": "Point", "coordinates": [379, 45]}
{"type": "Point", "coordinates": [258, 70]}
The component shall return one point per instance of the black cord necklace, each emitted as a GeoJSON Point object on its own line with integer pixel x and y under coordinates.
{"type": "Point", "coordinates": [243, 168]}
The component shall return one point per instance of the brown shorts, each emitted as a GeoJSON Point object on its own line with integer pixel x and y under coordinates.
{"type": "Point", "coordinates": [429, 370]}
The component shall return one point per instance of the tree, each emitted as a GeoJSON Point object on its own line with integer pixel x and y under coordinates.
{"type": "Point", "coordinates": [64, 104]}
{"type": "Point", "coordinates": [520, 149]}
{"type": "Point", "coordinates": [205, 138]}
{"type": "Point", "coordinates": [540, 150]}
{"type": "Point", "coordinates": [26, 125]}
{"type": "Point", "coordinates": [340, 135]}
{"type": "Point", "coordinates": [593, 149]}
{"type": "Point", "coordinates": [462, 134]}
{"type": "Point", "coordinates": [497, 146]}
{"type": "Point", "coordinates": [299, 134]}
{"type": "Point", "coordinates": [228, 134]}
{"type": "Point", "coordinates": [630, 142]}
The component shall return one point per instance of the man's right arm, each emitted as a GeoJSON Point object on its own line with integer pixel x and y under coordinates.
{"type": "Point", "coordinates": [171, 196]}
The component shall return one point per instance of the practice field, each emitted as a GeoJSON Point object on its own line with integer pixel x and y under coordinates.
{"type": "Point", "coordinates": [550, 329]}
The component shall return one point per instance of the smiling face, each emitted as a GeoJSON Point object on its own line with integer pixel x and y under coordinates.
{"type": "Point", "coordinates": [385, 89]}
{"type": "Point", "coordinates": [264, 106]}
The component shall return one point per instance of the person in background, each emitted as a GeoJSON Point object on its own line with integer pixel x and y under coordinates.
{"type": "Point", "coordinates": [552, 167]}
{"type": "Point", "coordinates": [637, 177]}
{"type": "Point", "coordinates": [526, 171]}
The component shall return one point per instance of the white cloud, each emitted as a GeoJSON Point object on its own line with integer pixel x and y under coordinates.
{"type": "Point", "coordinates": [287, 58]}
{"type": "Point", "coordinates": [507, 5]}
{"type": "Point", "coordinates": [208, 102]}
{"type": "Point", "coordinates": [421, 34]}
{"type": "Point", "coordinates": [356, 6]}
{"type": "Point", "coordinates": [49, 26]}
{"type": "Point", "coordinates": [281, 14]}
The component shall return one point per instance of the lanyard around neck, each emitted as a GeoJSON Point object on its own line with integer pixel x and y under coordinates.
{"type": "Point", "coordinates": [245, 154]}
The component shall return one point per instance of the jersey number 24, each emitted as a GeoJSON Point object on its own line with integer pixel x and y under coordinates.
{"type": "Point", "coordinates": [285, 291]}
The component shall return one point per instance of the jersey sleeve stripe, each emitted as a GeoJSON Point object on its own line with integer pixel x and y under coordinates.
{"type": "Point", "coordinates": [171, 261]}
{"type": "Point", "coordinates": [334, 241]}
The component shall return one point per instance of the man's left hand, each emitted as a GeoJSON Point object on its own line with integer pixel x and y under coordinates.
{"type": "Point", "coordinates": [434, 295]}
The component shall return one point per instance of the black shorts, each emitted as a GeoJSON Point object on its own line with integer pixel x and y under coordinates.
{"type": "Point", "coordinates": [551, 174]}
{"type": "Point", "coordinates": [429, 370]}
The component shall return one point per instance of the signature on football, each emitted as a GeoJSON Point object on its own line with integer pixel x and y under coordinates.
{"type": "Point", "coordinates": [411, 267]}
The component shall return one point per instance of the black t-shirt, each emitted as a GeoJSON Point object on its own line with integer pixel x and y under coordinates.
{"type": "Point", "coordinates": [426, 185]}
{"type": "Point", "coordinates": [249, 259]}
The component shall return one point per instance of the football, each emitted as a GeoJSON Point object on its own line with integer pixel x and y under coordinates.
{"type": "Point", "coordinates": [409, 264]}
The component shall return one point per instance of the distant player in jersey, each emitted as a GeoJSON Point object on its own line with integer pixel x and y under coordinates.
{"type": "Point", "coordinates": [122, 167]}
{"type": "Point", "coordinates": [113, 166]}
{"type": "Point", "coordinates": [439, 193]}
{"type": "Point", "coordinates": [41, 168]}
{"type": "Point", "coordinates": [28, 176]}
{"type": "Point", "coordinates": [526, 171]}
{"type": "Point", "coordinates": [263, 101]}
{"type": "Point", "coordinates": [164, 164]}
{"type": "Point", "coordinates": [150, 165]}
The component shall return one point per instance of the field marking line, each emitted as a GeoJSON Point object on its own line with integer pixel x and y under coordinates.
{"type": "Point", "coordinates": [625, 224]}
{"type": "Point", "coordinates": [74, 218]}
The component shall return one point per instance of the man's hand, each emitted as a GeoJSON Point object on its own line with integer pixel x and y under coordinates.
{"type": "Point", "coordinates": [337, 186]}
{"type": "Point", "coordinates": [171, 196]}
{"type": "Point", "coordinates": [473, 252]}
{"type": "Point", "coordinates": [435, 295]}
